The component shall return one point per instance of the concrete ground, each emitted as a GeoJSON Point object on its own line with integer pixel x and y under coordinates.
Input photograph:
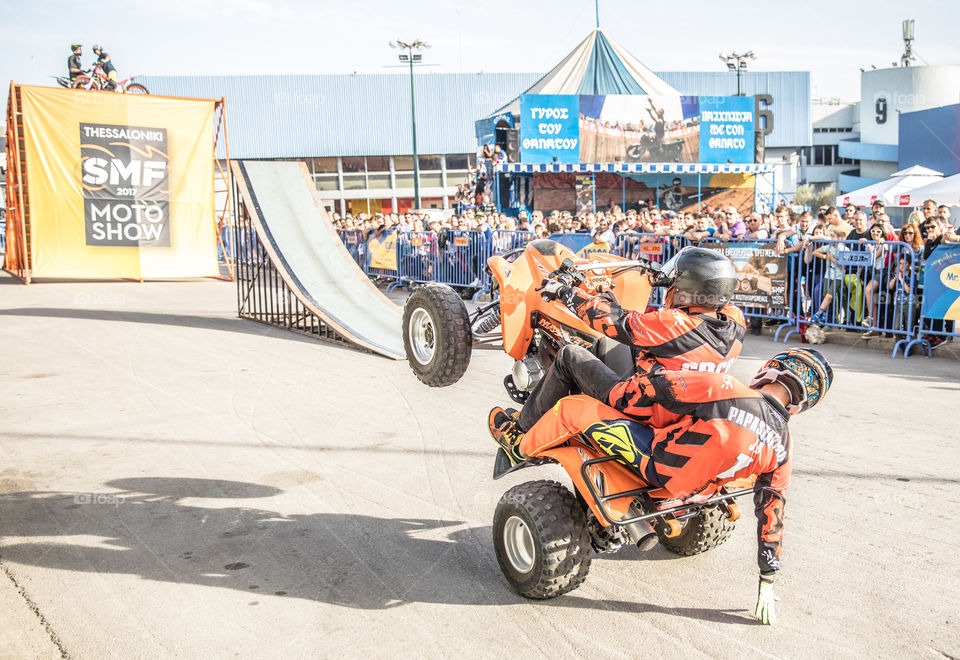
{"type": "Point", "coordinates": [178, 482]}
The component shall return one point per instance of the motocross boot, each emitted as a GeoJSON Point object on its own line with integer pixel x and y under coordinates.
{"type": "Point", "coordinates": [506, 433]}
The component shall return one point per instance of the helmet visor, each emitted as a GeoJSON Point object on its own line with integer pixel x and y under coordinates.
{"type": "Point", "coordinates": [668, 272]}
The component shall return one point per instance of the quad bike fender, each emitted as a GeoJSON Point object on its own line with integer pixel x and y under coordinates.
{"type": "Point", "coordinates": [608, 477]}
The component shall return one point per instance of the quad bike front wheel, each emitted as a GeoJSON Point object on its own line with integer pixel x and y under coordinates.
{"type": "Point", "coordinates": [541, 538]}
{"type": "Point", "coordinates": [704, 531]}
{"type": "Point", "coordinates": [436, 335]}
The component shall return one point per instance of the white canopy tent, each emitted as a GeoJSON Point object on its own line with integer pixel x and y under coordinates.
{"type": "Point", "coordinates": [889, 191]}
{"type": "Point", "coordinates": [942, 191]}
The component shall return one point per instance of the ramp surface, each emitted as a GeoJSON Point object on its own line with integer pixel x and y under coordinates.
{"type": "Point", "coordinates": [311, 258]}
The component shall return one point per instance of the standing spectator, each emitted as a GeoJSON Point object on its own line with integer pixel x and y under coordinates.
{"type": "Point", "coordinates": [874, 277]}
{"type": "Point", "coordinates": [861, 228]}
{"type": "Point", "coordinates": [755, 229]}
{"type": "Point", "coordinates": [833, 219]}
{"type": "Point", "coordinates": [813, 274]}
{"type": "Point", "coordinates": [902, 289]}
{"type": "Point", "coordinates": [850, 210]}
{"type": "Point", "coordinates": [943, 212]}
{"type": "Point", "coordinates": [910, 234]}
{"type": "Point", "coordinates": [605, 233]}
{"type": "Point", "coordinates": [832, 277]}
{"type": "Point", "coordinates": [929, 209]}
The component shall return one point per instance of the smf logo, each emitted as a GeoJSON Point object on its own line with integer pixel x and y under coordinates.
{"type": "Point", "coordinates": [126, 194]}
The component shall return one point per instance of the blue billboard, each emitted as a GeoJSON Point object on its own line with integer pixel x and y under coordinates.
{"type": "Point", "coordinates": [726, 129]}
{"type": "Point", "coordinates": [941, 284]}
{"type": "Point", "coordinates": [550, 128]}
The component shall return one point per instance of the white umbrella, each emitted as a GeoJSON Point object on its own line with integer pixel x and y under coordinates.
{"type": "Point", "coordinates": [943, 191]}
{"type": "Point", "coordinates": [890, 191]}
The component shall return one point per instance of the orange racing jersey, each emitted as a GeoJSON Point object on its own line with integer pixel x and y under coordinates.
{"type": "Point", "coordinates": [669, 338]}
{"type": "Point", "coordinates": [710, 429]}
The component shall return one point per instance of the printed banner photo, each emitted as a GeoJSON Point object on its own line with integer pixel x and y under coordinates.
{"type": "Point", "coordinates": [941, 284]}
{"type": "Point", "coordinates": [761, 274]}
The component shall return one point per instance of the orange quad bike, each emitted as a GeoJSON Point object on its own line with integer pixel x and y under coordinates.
{"type": "Point", "coordinates": [544, 534]}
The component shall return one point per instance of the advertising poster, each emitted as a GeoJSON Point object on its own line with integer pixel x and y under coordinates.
{"type": "Point", "coordinates": [941, 284]}
{"type": "Point", "coordinates": [549, 128]}
{"type": "Point", "coordinates": [126, 192]}
{"type": "Point", "coordinates": [382, 250]}
{"type": "Point", "coordinates": [584, 193]}
{"type": "Point", "coordinates": [120, 185]}
{"type": "Point", "coordinates": [761, 274]}
{"type": "Point", "coordinates": [726, 129]}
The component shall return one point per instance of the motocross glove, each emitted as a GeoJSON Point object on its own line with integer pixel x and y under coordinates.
{"type": "Point", "coordinates": [555, 290]}
{"type": "Point", "coordinates": [765, 610]}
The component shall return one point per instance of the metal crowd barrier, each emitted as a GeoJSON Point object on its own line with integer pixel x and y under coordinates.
{"type": "Point", "coordinates": [353, 241]}
{"type": "Point", "coordinates": [390, 274]}
{"type": "Point", "coordinates": [3, 236]}
{"type": "Point", "coordinates": [858, 285]}
{"type": "Point", "coordinates": [454, 257]}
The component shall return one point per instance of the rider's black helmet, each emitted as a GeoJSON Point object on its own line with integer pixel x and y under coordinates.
{"type": "Point", "coordinates": [698, 277]}
{"type": "Point", "coordinates": [97, 47]}
{"type": "Point", "coordinates": [75, 46]}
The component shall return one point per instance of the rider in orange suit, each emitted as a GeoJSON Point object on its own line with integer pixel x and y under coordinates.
{"type": "Point", "coordinates": [706, 429]}
{"type": "Point", "coordinates": [697, 329]}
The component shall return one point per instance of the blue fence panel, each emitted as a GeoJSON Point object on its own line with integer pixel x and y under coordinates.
{"type": "Point", "coordinates": [419, 252]}
{"type": "Point", "coordinates": [3, 236]}
{"type": "Point", "coordinates": [859, 285]}
{"type": "Point", "coordinates": [461, 257]}
{"type": "Point", "coordinates": [353, 241]}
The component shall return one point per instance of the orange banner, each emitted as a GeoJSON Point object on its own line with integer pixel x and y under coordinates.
{"type": "Point", "coordinates": [120, 185]}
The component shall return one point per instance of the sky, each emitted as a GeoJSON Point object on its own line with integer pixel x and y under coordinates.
{"type": "Point", "coordinates": [832, 40]}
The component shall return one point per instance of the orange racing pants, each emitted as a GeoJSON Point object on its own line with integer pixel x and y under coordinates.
{"type": "Point", "coordinates": [611, 430]}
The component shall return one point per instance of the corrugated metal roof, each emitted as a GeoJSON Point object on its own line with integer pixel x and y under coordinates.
{"type": "Point", "coordinates": [291, 116]}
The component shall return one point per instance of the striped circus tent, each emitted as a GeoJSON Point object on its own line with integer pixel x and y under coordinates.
{"type": "Point", "coordinates": [599, 66]}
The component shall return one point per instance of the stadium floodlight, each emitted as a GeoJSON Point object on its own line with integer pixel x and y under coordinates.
{"type": "Point", "coordinates": [412, 58]}
{"type": "Point", "coordinates": [738, 62]}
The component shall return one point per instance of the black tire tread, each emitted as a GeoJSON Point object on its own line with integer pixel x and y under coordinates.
{"type": "Point", "coordinates": [703, 532]}
{"type": "Point", "coordinates": [454, 339]}
{"type": "Point", "coordinates": [561, 528]}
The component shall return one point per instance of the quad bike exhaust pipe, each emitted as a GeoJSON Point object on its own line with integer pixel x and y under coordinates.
{"type": "Point", "coordinates": [641, 532]}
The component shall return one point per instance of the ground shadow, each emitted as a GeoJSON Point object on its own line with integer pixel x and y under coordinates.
{"type": "Point", "coordinates": [159, 529]}
{"type": "Point", "coordinates": [226, 324]}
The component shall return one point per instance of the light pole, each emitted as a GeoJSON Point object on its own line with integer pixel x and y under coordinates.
{"type": "Point", "coordinates": [410, 57]}
{"type": "Point", "coordinates": [738, 63]}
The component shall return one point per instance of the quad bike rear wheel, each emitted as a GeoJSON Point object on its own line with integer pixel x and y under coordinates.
{"type": "Point", "coordinates": [704, 531]}
{"type": "Point", "coordinates": [436, 335]}
{"type": "Point", "coordinates": [541, 538]}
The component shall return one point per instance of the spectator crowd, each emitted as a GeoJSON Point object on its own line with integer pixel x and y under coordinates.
{"type": "Point", "coordinates": [880, 288]}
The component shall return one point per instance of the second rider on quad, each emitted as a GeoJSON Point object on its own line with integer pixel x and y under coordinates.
{"type": "Point", "coordinates": [702, 430]}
